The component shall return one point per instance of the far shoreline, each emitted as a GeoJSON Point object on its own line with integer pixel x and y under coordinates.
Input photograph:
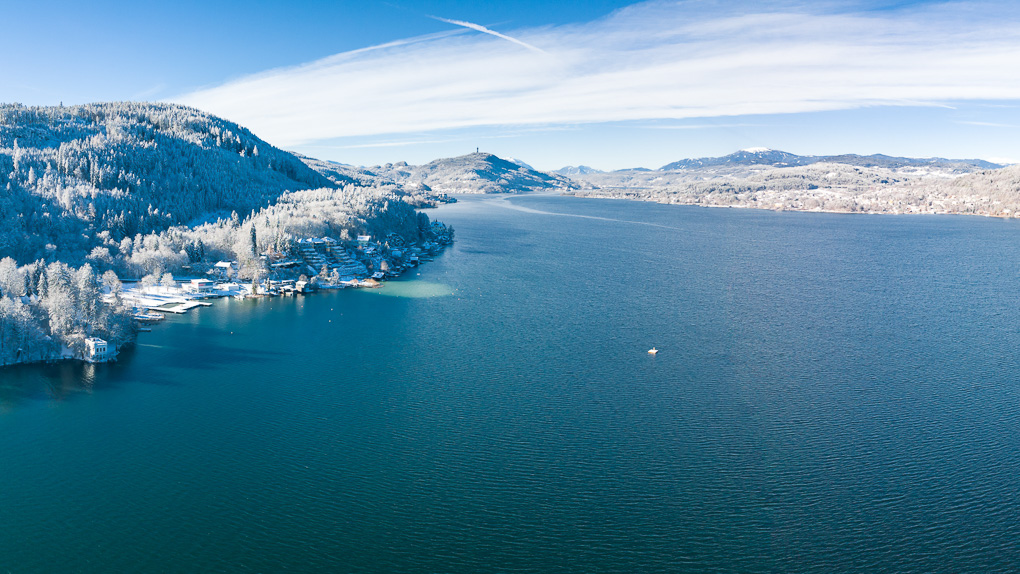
{"type": "Point", "coordinates": [660, 201]}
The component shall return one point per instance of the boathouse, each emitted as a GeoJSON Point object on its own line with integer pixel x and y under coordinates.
{"type": "Point", "coordinates": [97, 350]}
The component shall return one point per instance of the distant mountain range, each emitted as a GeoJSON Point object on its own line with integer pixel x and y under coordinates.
{"type": "Point", "coordinates": [82, 179]}
{"type": "Point", "coordinates": [487, 173]}
{"type": "Point", "coordinates": [776, 158]}
{"type": "Point", "coordinates": [849, 183]}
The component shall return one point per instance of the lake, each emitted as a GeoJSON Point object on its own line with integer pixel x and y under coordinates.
{"type": "Point", "coordinates": [832, 393]}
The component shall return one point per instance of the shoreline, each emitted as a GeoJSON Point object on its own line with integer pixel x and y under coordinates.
{"type": "Point", "coordinates": [150, 304]}
{"type": "Point", "coordinates": [663, 201]}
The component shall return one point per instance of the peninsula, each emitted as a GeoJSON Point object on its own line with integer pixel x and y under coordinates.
{"type": "Point", "coordinates": [100, 194]}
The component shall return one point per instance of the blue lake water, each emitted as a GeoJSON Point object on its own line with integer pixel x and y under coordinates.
{"type": "Point", "coordinates": [832, 393]}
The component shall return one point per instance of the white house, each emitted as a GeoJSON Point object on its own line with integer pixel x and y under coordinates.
{"type": "Point", "coordinates": [200, 286]}
{"type": "Point", "coordinates": [225, 268]}
{"type": "Point", "coordinates": [98, 350]}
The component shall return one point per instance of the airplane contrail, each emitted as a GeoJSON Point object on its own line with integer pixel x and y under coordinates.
{"type": "Point", "coordinates": [485, 30]}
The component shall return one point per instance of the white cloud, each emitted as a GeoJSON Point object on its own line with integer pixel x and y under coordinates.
{"type": "Point", "coordinates": [382, 144]}
{"type": "Point", "coordinates": [656, 60]}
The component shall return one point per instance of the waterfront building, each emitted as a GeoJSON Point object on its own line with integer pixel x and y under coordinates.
{"type": "Point", "coordinates": [97, 350]}
{"type": "Point", "coordinates": [200, 286]}
{"type": "Point", "coordinates": [328, 254]}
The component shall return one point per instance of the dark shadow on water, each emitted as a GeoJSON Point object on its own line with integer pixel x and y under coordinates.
{"type": "Point", "coordinates": [215, 356]}
{"type": "Point", "coordinates": [195, 346]}
{"type": "Point", "coordinates": [59, 381]}
{"type": "Point", "coordinates": [65, 380]}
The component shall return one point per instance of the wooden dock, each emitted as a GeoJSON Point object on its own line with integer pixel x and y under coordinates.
{"type": "Point", "coordinates": [179, 307]}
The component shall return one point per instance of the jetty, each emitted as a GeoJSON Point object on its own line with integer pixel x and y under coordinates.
{"type": "Point", "coordinates": [318, 263]}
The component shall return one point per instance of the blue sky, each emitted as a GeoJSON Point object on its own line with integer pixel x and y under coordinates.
{"type": "Point", "coordinates": [602, 83]}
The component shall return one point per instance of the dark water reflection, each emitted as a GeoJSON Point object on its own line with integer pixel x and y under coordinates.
{"type": "Point", "coordinates": [56, 381]}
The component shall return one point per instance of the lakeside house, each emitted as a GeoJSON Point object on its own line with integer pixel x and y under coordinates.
{"type": "Point", "coordinates": [199, 286]}
{"type": "Point", "coordinates": [224, 269]}
{"type": "Point", "coordinates": [98, 350]}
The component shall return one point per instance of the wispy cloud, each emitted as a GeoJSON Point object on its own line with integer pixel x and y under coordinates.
{"type": "Point", "coordinates": [382, 144]}
{"type": "Point", "coordinates": [654, 60]}
{"type": "Point", "coordinates": [988, 124]}
{"type": "Point", "coordinates": [701, 126]}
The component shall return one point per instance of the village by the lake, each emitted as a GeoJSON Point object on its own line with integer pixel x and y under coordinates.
{"type": "Point", "coordinates": [319, 263]}
{"type": "Point", "coordinates": [313, 264]}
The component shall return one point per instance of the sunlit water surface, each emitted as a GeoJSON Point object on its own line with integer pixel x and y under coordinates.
{"type": "Point", "coordinates": [832, 393]}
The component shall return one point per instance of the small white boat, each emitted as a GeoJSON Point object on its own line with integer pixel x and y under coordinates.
{"type": "Point", "coordinates": [652, 351]}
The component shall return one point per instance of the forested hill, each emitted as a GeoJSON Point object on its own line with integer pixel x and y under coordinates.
{"type": "Point", "coordinates": [472, 173]}
{"type": "Point", "coordinates": [93, 194]}
{"type": "Point", "coordinates": [74, 177]}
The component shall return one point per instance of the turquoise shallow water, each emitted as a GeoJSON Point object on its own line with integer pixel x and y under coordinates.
{"type": "Point", "coordinates": [832, 393]}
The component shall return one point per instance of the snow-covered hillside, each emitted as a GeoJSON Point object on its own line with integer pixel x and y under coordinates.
{"type": "Point", "coordinates": [74, 173]}
{"type": "Point", "coordinates": [92, 194]}
{"type": "Point", "coordinates": [472, 173]}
